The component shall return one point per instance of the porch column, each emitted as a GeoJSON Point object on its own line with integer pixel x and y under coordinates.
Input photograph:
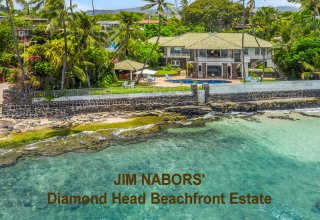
{"type": "Point", "coordinates": [130, 75]}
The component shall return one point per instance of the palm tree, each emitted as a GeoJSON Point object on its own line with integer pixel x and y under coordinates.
{"type": "Point", "coordinates": [77, 42]}
{"type": "Point", "coordinates": [252, 4]}
{"type": "Point", "coordinates": [315, 4]}
{"type": "Point", "coordinates": [242, 46]}
{"type": "Point", "coordinates": [56, 11]}
{"type": "Point", "coordinates": [88, 33]}
{"type": "Point", "coordinates": [93, 10]}
{"type": "Point", "coordinates": [37, 5]}
{"type": "Point", "coordinates": [161, 6]}
{"type": "Point", "coordinates": [10, 8]}
{"type": "Point", "coordinates": [126, 33]}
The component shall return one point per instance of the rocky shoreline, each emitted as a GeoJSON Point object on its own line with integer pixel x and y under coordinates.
{"type": "Point", "coordinates": [94, 132]}
{"type": "Point", "coordinates": [86, 133]}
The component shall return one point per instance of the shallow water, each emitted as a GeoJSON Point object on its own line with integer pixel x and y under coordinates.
{"type": "Point", "coordinates": [279, 157]}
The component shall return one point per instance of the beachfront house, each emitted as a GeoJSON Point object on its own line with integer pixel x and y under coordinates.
{"type": "Point", "coordinates": [214, 55]}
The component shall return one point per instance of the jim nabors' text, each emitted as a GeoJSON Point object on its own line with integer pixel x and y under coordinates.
{"type": "Point", "coordinates": [159, 179]}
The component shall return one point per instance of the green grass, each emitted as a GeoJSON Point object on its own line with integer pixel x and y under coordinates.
{"type": "Point", "coordinates": [164, 72]}
{"type": "Point", "coordinates": [143, 89]}
{"type": "Point", "coordinates": [267, 70]}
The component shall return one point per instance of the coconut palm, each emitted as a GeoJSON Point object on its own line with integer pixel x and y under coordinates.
{"type": "Point", "coordinates": [315, 5]}
{"type": "Point", "coordinates": [36, 5]}
{"type": "Point", "coordinates": [77, 42]}
{"type": "Point", "coordinates": [127, 33]}
{"type": "Point", "coordinates": [93, 10]}
{"type": "Point", "coordinates": [251, 5]}
{"type": "Point", "coordinates": [56, 11]}
{"type": "Point", "coordinates": [161, 6]}
{"type": "Point", "coordinates": [88, 33]}
{"type": "Point", "coordinates": [243, 30]}
{"type": "Point", "coordinates": [10, 8]}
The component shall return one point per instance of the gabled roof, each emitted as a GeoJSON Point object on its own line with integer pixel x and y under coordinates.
{"type": "Point", "coordinates": [212, 41]}
{"type": "Point", "coordinates": [162, 40]}
{"type": "Point", "coordinates": [129, 65]}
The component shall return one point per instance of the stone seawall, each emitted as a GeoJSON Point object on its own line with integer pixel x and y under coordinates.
{"type": "Point", "coordinates": [19, 106]}
{"type": "Point", "coordinates": [256, 96]}
{"type": "Point", "coordinates": [69, 108]}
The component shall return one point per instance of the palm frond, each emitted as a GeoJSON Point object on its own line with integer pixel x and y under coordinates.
{"type": "Point", "coordinates": [79, 73]}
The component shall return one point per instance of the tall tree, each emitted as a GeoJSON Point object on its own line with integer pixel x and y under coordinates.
{"type": "Point", "coordinates": [315, 5]}
{"type": "Point", "coordinates": [77, 42]}
{"type": "Point", "coordinates": [244, 74]}
{"type": "Point", "coordinates": [127, 33]}
{"type": "Point", "coordinates": [213, 15]}
{"type": "Point", "coordinates": [88, 33]}
{"type": "Point", "coordinates": [10, 9]}
{"type": "Point", "coordinates": [252, 5]}
{"type": "Point", "coordinates": [37, 5]}
{"type": "Point", "coordinates": [93, 9]}
{"type": "Point", "coordinates": [56, 11]}
{"type": "Point", "coordinates": [161, 6]}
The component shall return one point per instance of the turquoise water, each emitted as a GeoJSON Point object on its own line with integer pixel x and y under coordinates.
{"type": "Point", "coordinates": [271, 156]}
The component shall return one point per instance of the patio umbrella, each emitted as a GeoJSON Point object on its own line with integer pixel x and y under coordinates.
{"type": "Point", "coordinates": [146, 72]}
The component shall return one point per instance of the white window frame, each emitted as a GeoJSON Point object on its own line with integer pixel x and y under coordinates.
{"type": "Point", "coordinates": [175, 62]}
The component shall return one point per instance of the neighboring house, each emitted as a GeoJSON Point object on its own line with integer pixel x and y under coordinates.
{"type": "Point", "coordinates": [108, 25]}
{"type": "Point", "coordinates": [213, 54]}
{"type": "Point", "coordinates": [23, 34]}
{"type": "Point", "coordinates": [147, 21]}
{"type": "Point", "coordinates": [2, 18]}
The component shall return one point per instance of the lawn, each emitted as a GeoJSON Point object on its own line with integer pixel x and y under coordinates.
{"type": "Point", "coordinates": [267, 70]}
{"type": "Point", "coordinates": [140, 89]}
{"type": "Point", "coordinates": [169, 72]}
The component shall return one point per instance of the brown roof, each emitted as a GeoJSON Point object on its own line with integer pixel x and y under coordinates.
{"type": "Point", "coordinates": [148, 22]}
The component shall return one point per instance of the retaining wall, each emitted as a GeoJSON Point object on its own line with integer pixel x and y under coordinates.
{"type": "Point", "coordinates": [255, 96]}
{"type": "Point", "coordinates": [19, 106]}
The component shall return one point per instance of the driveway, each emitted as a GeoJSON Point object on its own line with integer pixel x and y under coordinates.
{"type": "Point", "coordinates": [3, 86]}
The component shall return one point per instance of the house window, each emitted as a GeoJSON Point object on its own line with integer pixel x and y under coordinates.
{"type": "Point", "coordinates": [263, 51]}
{"type": "Point", "coordinates": [257, 51]}
{"type": "Point", "coordinates": [224, 53]}
{"type": "Point", "coordinates": [175, 51]}
{"type": "Point", "coordinates": [185, 52]}
{"type": "Point", "coordinates": [246, 51]}
{"type": "Point", "coordinates": [175, 62]}
{"type": "Point", "coordinates": [202, 53]}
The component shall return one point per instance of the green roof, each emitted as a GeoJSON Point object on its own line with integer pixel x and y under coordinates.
{"type": "Point", "coordinates": [213, 41]}
{"type": "Point", "coordinates": [129, 65]}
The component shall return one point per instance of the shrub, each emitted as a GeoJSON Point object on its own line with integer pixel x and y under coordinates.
{"type": "Point", "coordinates": [107, 80]}
{"type": "Point", "coordinates": [168, 68]}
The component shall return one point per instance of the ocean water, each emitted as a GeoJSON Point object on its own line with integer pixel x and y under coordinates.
{"type": "Point", "coordinates": [277, 157]}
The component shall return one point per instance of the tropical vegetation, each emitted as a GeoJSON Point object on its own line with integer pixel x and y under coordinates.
{"type": "Point", "coordinates": [69, 50]}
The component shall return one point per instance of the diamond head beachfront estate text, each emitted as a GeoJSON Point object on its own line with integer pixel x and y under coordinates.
{"type": "Point", "coordinates": [185, 198]}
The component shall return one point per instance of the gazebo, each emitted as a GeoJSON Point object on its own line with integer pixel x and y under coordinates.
{"type": "Point", "coordinates": [129, 66]}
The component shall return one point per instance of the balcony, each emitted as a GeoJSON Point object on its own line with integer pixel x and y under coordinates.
{"type": "Point", "coordinates": [212, 59]}
{"type": "Point", "coordinates": [187, 55]}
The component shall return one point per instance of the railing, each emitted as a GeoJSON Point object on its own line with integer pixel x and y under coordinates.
{"type": "Point", "coordinates": [265, 87]}
{"type": "Point", "coordinates": [207, 59]}
{"type": "Point", "coordinates": [179, 55]}
{"type": "Point", "coordinates": [110, 92]}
